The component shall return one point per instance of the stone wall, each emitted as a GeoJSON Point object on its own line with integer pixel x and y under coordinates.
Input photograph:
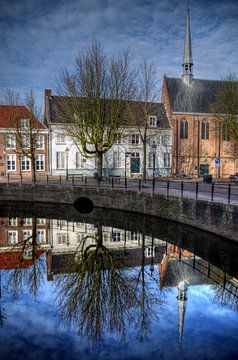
{"type": "Point", "coordinates": [218, 218]}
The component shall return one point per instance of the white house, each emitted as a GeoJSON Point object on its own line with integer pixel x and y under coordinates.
{"type": "Point", "coordinates": [125, 157]}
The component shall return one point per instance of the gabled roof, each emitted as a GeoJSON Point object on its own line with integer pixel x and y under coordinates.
{"type": "Point", "coordinates": [9, 114]}
{"type": "Point", "coordinates": [57, 104]}
{"type": "Point", "coordinates": [195, 98]}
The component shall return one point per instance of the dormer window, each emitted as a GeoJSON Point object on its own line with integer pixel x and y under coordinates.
{"type": "Point", "coordinates": [152, 120]}
{"type": "Point", "coordinates": [25, 123]}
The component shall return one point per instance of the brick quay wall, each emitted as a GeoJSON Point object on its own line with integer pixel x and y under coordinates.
{"type": "Point", "coordinates": [215, 217]}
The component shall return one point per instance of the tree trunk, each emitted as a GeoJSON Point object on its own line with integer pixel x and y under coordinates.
{"type": "Point", "coordinates": [144, 158]}
{"type": "Point", "coordinates": [33, 169]}
{"type": "Point", "coordinates": [99, 165]}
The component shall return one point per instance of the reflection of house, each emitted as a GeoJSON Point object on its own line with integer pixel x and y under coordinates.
{"type": "Point", "coordinates": [19, 237]}
{"type": "Point", "coordinates": [17, 122]}
{"type": "Point", "coordinates": [65, 156]}
{"type": "Point", "coordinates": [198, 138]}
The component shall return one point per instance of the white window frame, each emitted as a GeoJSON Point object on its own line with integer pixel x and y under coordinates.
{"type": "Point", "coordinates": [60, 160]}
{"type": "Point", "coordinates": [12, 221]}
{"type": "Point", "coordinates": [40, 221]}
{"type": "Point", "coordinates": [25, 123]}
{"type": "Point", "coordinates": [135, 139]}
{"type": "Point", "coordinates": [25, 141]}
{"type": "Point", "coordinates": [117, 159]}
{"type": "Point", "coordinates": [25, 163]}
{"type": "Point", "coordinates": [40, 162]}
{"type": "Point", "coordinates": [150, 160]}
{"type": "Point", "coordinates": [116, 236]}
{"type": "Point", "coordinates": [26, 221]}
{"type": "Point", "coordinates": [80, 161]}
{"type": "Point", "coordinates": [167, 160]}
{"type": "Point", "coordinates": [62, 238]}
{"type": "Point", "coordinates": [14, 235]}
{"type": "Point", "coordinates": [152, 121]}
{"type": "Point", "coordinates": [60, 138]}
{"type": "Point", "coordinates": [134, 236]}
{"type": "Point", "coordinates": [11, 162]}
{"type": "Point", "coordinates": [26, 234]}
{"type": "Point", "coordinates": [10, 141]}
{"type": "Point", "coordinates": [40, 236]}
{"type": "Point", "coordinates": [40, 142]}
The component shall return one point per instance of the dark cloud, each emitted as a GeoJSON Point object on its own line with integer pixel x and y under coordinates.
{"type": "Point", "coordinates": [37, 38]}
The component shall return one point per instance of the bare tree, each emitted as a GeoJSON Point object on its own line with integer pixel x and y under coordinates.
{"type": "Point", "coordinates": [25, 131]}
{"type": "Point", "coordinates": [147, 96]}
{"type": "Point", "coordinates": [226, 107]}
{"type": "Point", "coordinates": [92, 102]}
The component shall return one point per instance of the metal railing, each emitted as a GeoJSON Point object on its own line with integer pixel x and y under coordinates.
{"type": "Point", "coordinates": [224, 192]}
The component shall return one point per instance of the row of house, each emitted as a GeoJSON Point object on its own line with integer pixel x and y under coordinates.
{"type": "Point", "coordinates": [184, 135]}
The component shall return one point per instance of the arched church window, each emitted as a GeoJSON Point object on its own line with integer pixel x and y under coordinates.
{"type": "Point", "coordinates": [183, 129]}
{"type": "Point", "coordinates": [205, 129]}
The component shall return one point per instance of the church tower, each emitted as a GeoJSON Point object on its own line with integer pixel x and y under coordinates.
{"type": "Point", "coordinates": [187, 58]}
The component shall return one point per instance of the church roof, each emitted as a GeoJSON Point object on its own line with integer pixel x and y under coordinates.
{"type": "Point", "coordinates": [195, 98]}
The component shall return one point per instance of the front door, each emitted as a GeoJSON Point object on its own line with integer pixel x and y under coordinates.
{"type": "Point", "coordinates": [135, 163]}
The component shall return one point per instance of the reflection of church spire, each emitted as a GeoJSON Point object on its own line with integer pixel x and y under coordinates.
{"type": "Point", "coordinates": [182, 300]}
{"type": "Point", "coordinates": [187, 58]}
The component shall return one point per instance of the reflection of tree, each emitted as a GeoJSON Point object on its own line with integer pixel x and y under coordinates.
{"type": "Point", "coordinates": [100, 294]}
{"type": "Point", "coordinates": [226, 297]}
{"type": "Point", "coordinates": [32, 276]}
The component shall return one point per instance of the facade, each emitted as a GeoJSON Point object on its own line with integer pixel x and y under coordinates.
{"type": "Point", "coordinates": [125, 156]}
{"type": "Point", "coordinates": [201, 144]}
{"type": "Point", "coordinates": [16, 122]}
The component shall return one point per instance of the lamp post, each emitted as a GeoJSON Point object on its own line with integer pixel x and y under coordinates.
{"type": "Point", "coordinates": [153, 147]}
{"type": "Point", "coordinates": [67, 162]}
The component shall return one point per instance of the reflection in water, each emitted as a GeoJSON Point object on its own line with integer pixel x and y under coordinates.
{"type": "Point", "coordinates": [110, 280]}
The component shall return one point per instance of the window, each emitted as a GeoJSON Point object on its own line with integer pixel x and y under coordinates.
{"type": "Point", "coordinates": [225, 133]}
{"type": "Point", "coordinates": [40, 236]}
{"type": "Point", "coordinates": [26, 235]}
{"type": "Point", "coordinates": [80, 236]}
{"type": "Point", "coordinates": [151, 159]}
{"type": "Point", "coordinates": [183, 129]}
{"type": "Point", "coordinates": [10, 141]}
{"type": "Point", "coordinates": [61, 239]}
{"type": "Point", "coordinates": [40, 221]}
{"type": "Point", "coordinates": [40, 162]}
{"type": "Point", "coordinates": [60, 160]}
{"type": "Point", "coordinates": [25, 163]}
{"type": "Point", "coordinates": [25, 123]}
{"type": "Point", "coordinates": [60, 138]}
{"type": "Point", "coordinates": [26, 221]}
{"type": "Point", "coordinates": [167, 160]}
{"type": "Point", "coordinates": [80, 161]}
{"type": "Point", "coordinates": [27, 253]}
{"type": "Point", "coordinates": [153, 121]}
{"type": "Point", "coordinates": [135, 139]}
{"type": "Point", "coordinates": [12, 237]}
{"type": "Point", "coordinates": [166, 140]}
{"type": "Point", "coordinates": [12, 221]}
{"type": "Point", "coordinates": [25, 141]}
{"type": "Point", "coordinates": [118, 139]}
{"type": "Point", "coordinates": [117, 163]}
{"type": "Point", "coordinates": [116, 236]}
{"type": "Point", "coordinates": [150, 251]}
{"type": "Point", "coordinates": [61, 223]}
{"type": "Point", "coordinates": [11, 162]}
{"type": "Point", "coordinates": [205, 130]}
{"type": "Point", "coordinates": [40, 142]}
{"type": "Point", "coordinates": [133, 235]}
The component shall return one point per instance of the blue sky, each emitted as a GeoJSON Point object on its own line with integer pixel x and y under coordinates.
{"type": "Point", "coordinates": [39, 37]}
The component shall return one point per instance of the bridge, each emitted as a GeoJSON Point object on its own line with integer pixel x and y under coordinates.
{"type": "Point", "coordinates": [212, 207]}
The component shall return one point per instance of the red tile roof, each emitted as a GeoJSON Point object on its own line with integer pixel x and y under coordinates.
{"type": "Point", "coordinates": [9, 114]}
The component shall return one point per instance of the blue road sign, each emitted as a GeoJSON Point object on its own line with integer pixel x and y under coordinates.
{"type": "Point", "coordinates": [217, 161]}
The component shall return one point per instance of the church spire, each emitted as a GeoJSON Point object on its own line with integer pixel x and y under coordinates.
{"type": "Point", "coordinates": [187, 58]}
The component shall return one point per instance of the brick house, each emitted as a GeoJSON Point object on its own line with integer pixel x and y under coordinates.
{"type": "Point", "coordinates": [19, 132]}
{"type": "Point", "coordinates": [200, 141]}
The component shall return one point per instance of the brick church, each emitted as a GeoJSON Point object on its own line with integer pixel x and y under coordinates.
{"type": "Point", "coordinates": [200, 146]}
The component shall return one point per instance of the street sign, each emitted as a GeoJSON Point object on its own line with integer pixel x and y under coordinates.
{"type": "Point", "coordinates": [217, 161]}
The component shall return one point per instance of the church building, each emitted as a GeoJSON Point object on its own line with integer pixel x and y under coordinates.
{"type": "Point", "coordinates": [200, 146]}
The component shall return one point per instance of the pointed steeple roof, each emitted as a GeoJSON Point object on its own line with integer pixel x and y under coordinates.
{"type": "Point", "coordinates": [187, 58]}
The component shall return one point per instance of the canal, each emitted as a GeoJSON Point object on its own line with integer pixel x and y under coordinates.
{"type": "Point", "coordinates": [113, 285]}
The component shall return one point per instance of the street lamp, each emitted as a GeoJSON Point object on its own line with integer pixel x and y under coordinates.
{"type": "Point", "coordinates": [153, 147]}
{"type": "Point", "coordinates": [67, 161]}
